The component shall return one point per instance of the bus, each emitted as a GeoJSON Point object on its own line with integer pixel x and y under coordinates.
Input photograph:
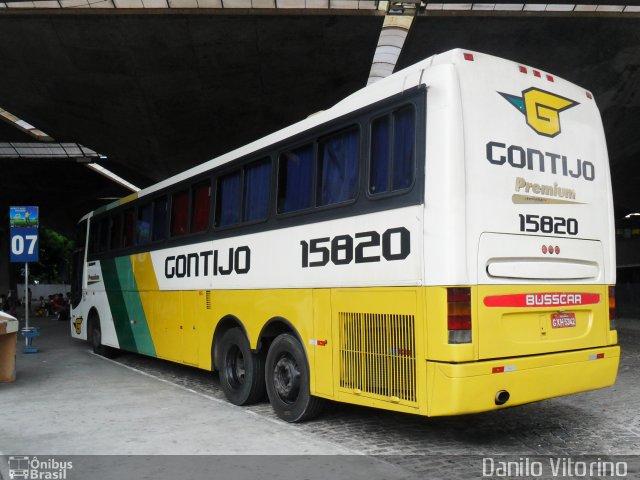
{"type": "Point", "coordinates": [438, 243]}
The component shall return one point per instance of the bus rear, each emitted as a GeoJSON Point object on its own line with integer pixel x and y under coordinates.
{"type": "Point", "coordinates": [539, 229]}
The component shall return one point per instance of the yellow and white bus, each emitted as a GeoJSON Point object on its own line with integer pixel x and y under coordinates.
{"type": "Point", "coordinates": [438, 243]}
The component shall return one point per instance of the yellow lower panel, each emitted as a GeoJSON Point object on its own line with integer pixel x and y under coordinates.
{"type": "Point", "coordinates": [456, 389]}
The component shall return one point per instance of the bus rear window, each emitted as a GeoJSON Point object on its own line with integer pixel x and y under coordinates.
{"type": "Point", "coordinates": [179, 213]}
{"type": "Point", "coordinates": [392, 162]}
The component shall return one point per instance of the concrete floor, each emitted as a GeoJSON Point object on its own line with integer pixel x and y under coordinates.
{"type": "Point", "coordinates": [68, 401]}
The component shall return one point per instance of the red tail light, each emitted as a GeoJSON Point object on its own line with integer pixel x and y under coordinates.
{"type": "Point", "coordinates": [459, 315]}
{"type": "Point", "coordinates": [612, 308]}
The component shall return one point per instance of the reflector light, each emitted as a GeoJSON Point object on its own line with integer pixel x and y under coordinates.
{"type": "Point", "coordinates": [600, 355]}
{"type": "Point", "coordinates": [557, 250]}
{"type": "Point", "coordinates": [497, 370]}
{"type": "Point", "coordinates": [596, 356]}
{"type": "Point", "coordinates": [544, 249]}
{"type": "Point", "coordinates": [536, 73]}
{"type": "Point", "coordinates": [468, 56]}
{"type": "Point", "coordinates": [550, 78]}
{"type": "Point", "coordinates": [522, 69]}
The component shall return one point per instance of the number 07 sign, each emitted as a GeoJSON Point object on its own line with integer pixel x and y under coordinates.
{"type": "Point", "coordinates": [23, 232]}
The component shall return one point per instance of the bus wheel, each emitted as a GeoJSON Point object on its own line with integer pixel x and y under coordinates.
{"type": "Point", "coordinates": [241, 371]}
{"type": "Point", "coordinates": [287, 379]}
{"type": "Point", "coordinates": [96, 339]}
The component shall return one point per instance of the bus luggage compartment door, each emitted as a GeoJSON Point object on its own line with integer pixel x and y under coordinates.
{"type": "Point", "coordinates": [531, 302]}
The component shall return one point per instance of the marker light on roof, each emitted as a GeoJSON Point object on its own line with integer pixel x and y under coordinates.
{"type": "Point", "coordinates": [522, 69]}
{"type": "Point", "coordinates": [536, 73]}
{"type": "Point", "coordinates": [550, 77]}
{"type": "Point", "coordinates": [468, 56]}
{"type": "Point", "coordinates": [589, 96]}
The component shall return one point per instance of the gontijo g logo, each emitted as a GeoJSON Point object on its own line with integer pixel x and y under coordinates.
{"type": "Point", "coordinates": [541, 109]}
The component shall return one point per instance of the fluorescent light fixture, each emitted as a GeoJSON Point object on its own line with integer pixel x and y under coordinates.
{"type": "Point", "coordinates": [24, 126]}
{"type": "Point", "coordinates": [634, 214]}
{"type": "Point", "coordinates": [112, 176]}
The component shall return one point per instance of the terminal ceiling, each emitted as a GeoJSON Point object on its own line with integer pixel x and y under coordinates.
{"type": "Point", "coordinates": [157, 93]}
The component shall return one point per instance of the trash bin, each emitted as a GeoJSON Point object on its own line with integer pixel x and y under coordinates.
{"type": "Point", "coordinates": [8, 341]}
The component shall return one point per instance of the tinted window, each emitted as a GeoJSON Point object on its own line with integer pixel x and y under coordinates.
{"type": "Point", "coordinates": [295, 177]}
{"type": "Point", "coordinates": [179, 213]}
{"type": "Point", "coordinates": [403, 148]}
{"type": "Point", "coordinates": [392, 164]}
{"type": "Point", "coordinates": [116, 231]}
{"type": "Point", "coordinates": [127, 237]}
{"type": "Point", "coordinates": [103, 240]}
{"type": "Point", "coordinates": [338, 167]}
{"type": "Point", "coordinates": [200, 201]}
{"type": "Point", "coordinates": [228, 200]}
{"type": "Point", "coordinates": [160, 218]}
{"type": "Point", "coordinates": [143, 224]}
{"type": "Point", "coordinates": [380, 155]}
{"type": "Point", "coordinates": [93, 236]}
{"type": "Point", "coordinates": [256, 191]}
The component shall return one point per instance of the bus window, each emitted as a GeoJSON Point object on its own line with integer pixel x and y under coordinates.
{"type": "Point", "coordinates": [200, 201]}
{"type": "Point", "coordinates": [128, 230]}
{"type": "Point", "coordinates": [228, 200]}
{"type": "Point", "coordinates": [179, 213]}
{"type": "Point", "coordinates": [403, 148]}
{"type": "Point", "coordinates": [143, 224]}
{"type": "Point", "coordinates": [392, 164]}
{"type": "Point", "coordinates": [160, 219]}
{"type": "Point", "coordinates": [338, 167]}
{"type": "Point", "coordinates": [93, 236]}
{"type": "Point", "coordinates": [103, 239]}
{"type": "Point", "coordinates": [295, 179]}
{"type": "Point", "coordinates": [256, 190]}
{"type": "Point", "coordinates": [116, 232]}
{"type": "Point", "coordinates": [380, 155]}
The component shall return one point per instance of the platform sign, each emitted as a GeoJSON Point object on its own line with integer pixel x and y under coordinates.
{"type": "Point", "coordinates": [23, 232]}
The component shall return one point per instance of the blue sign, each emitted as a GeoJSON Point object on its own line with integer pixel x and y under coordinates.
{"type": "Point", "coordinates": [23, 232]}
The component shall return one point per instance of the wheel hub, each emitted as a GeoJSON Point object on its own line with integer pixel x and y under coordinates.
{"type": "Point", "coordinates": [235, 370]}
{"type": "Point", "coordinates": [287, 378]}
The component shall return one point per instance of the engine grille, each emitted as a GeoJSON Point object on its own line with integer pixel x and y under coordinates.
{"type": "Point", "coordinates": [377, 355]}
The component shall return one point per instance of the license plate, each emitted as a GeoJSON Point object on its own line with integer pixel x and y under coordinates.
{"type": "Point", "coordinates": [563, 320]}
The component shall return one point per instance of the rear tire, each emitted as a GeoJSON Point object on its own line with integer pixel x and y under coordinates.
{"type": "Point", "coordinates": [287, 379]}
{"type": "Point", "coordinates": [95, 338]}
{"type": "Point", "coordinates": [241, 371]}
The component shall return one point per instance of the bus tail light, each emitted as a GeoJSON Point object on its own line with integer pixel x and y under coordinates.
{"type": "Point", "coordinates": [612, 308]}
{"type": "Point", "coordinates": [459, 315]}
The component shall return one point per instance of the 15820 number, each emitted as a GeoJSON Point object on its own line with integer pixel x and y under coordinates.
{"type": "Point", "coordinates": [546, 224]}
{"type": "Point", "coordinates": [364, 247]}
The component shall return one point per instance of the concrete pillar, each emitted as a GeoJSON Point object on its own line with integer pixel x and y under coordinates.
{"type": "Point", "coordinates": [392, 36]}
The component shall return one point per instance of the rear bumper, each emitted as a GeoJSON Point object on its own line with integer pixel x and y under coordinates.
{"type": "Point", "coordinates": [456, 389]}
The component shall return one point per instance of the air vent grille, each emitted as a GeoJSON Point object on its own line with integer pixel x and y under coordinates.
{"type": "Point", "coordinates": [377, 355]}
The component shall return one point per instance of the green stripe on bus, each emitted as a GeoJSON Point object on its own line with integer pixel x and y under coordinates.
{"type": "Point", "coordinates": [115, 295]}
{"type": "Point", "coordinates": [133, 304]}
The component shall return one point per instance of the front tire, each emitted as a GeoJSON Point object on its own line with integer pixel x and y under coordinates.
{"type": "Point", "coordinates": [241, 371]}
{"type": "Point", "coordinates": [287, 379]}
{"type": "Point", "coordinates": [96, 339]}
